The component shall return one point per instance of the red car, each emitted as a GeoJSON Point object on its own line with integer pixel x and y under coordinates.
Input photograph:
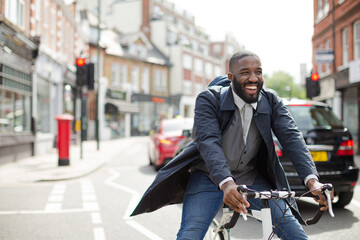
{"type": "Point", "coordinates": [165, 139]}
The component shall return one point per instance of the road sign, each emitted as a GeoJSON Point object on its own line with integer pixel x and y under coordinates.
{"type": "Point", "coordinates": [324, 56]}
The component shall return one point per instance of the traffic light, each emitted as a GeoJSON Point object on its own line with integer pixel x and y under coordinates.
{"type": "Point", "coordinates": [81, 72]}
{"type": "Point", "coordinates": [312, 85]}
{"type": "Point", "coordinates": [90, 76]}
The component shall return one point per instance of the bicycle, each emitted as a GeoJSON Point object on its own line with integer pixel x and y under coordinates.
{"type": "Point", "coordinates": [221, 230]}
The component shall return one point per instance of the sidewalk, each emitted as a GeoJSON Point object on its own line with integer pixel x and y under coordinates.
{"type": "Point", "coordinates": [45, 167]}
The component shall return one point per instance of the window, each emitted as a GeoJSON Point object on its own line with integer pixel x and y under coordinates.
{"type": "Point", "coordinates": [319, 65]}
{"type": "Point", "coordinates": [135, 79]}
{"type": "Point", "coordinates": [217, 71]}
{"type": "Point", "coordinates": [145, 85]}
{"type": "Point", "coordinates": [171, 37]}
{"type": "Point", "coordinates": [327, 47]}
{"type": "Point", "coordinates": [345, 46]}
{"type": "Point", "coordinates": [123, 76]}
{"type": "Point", "coordinates": [15, 12]}
{"type": "Point", "coordinates": [199, 69]}
{"type": "Point", "coordinates": [187, 87]}
{"type": "Point", "coordinates": [115, 75]}
{"type": "Point", "coordinates": [326, 7]}
{"type": "Point", "coordinates": [160, 80]}
{"type": "Point", "coordinates": [38, 17]}
{"type": "Point", "coordinates": [53, 29]}
{"type": "Point", "coordinates": [356, 40]}
{"type": "Point", "coordinates": [208, 70]}
{"type": "Point", "coordinates": [319, 13]}
{"type": "Point", "coordinates": [187, 62]}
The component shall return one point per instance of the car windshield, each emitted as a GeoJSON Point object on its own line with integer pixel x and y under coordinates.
{"type": "Point", "coordinates": [310, 117]}
{"type": "Point", "coordinates": [175, 125]}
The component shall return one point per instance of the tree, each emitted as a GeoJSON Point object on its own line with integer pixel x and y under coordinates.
{"type": "Point", "coordinates": [283, 83]}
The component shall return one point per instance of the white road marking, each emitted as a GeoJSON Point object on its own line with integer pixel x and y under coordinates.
{"type": "Point", "coordinates": [96, 218]}
{"type": "Point", "coordinates": [88, 197]}
{"type": "Point", "coordinates": [132, 204]}
{"type": "Point", "coordinates": [25, 212]}
{"type": "Point", "coordinates": [55, 198]}
{"type": "Point", "coordinates": [355, 202]}
{"type": "Point", "coordinates": [90, 203]}
{"type": "Point", "coordinates": [53, 207]}
{"type": "Point", "coordinates": [92, 206]}
{"type": "Point", "coordinates": [99, 234]}
{"type": "Point", "coordinates": [143, 230]}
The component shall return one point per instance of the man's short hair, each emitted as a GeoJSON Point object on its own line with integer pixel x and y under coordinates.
{"type": "Point", "coordinates": [239, 55]}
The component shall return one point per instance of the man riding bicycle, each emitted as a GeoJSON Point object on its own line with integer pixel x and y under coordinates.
{"type": "Point", "coordinates": [233, 146]}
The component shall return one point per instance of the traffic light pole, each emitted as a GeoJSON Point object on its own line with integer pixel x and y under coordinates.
{"type": "Point", "coordinates": [98, 79]}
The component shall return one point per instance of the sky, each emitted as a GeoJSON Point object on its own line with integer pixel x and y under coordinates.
{"type": "Point", "coordinates": [279, 31]}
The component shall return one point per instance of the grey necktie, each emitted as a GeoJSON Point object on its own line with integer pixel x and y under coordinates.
{"type": "Point", "coordinates": [246, 116]}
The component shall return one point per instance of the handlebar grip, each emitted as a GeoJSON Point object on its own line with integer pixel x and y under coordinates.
{"type": "Point", "coordinates": [233, 221]}
{"type": "Point", "coordinates": [317, 216]}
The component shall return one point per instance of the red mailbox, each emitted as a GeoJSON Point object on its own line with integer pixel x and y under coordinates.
{"type": "Point", "coordinates": [63, 139]}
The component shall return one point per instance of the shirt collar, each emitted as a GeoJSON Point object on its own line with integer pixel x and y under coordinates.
{"type": "Point", "coordinates": [239, 102]}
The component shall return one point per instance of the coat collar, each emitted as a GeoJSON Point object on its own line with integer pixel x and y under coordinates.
{"type": "Point", "coordinates": [229, 105]}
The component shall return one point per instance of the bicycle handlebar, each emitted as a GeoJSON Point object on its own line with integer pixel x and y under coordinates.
{"type": "Point", "coordinates": [326, 190]}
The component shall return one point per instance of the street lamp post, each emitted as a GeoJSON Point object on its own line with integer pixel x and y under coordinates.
{"type": "Point", "coordinates": [98, 79]}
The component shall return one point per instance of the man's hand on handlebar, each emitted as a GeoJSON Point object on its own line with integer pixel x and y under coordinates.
{"type": "Point", "coordinates": [315, 187]}
{"type": "Point", "coordinates": [233, 198]}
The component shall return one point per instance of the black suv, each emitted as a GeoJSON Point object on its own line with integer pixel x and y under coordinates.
{"type": "Point", "coordinates": [330, 144]}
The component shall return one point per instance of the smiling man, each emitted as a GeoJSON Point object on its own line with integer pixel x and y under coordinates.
{"type": "Point", "coordinates": [233, 146]}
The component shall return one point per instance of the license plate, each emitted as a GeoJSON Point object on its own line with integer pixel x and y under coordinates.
{"type": "Point", "coordinates": [319, 156]}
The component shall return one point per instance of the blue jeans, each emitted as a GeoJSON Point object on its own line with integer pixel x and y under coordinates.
{"type": "Point", "coordinates": [203, 200]}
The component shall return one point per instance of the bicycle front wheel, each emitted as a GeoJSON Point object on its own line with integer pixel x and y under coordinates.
{"type": "Point", "coordinates": [212, 233]}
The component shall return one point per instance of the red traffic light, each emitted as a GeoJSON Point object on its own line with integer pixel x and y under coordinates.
{"type": "Point", "coordinates": [80, 62]}
{"type": "Point", "coordinates": [315, 76]}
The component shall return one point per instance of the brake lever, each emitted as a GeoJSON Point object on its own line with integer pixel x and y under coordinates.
{"type": "Point", "coordinates": [243, 190]}
{"type": "Point", "coordinates": [327, 191]}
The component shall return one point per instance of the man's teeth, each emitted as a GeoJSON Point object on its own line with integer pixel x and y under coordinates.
{"type": "Point", "coordinates": [251, 87]}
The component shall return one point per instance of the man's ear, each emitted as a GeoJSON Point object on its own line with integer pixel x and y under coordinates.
{"type": "Point", "coordinates": [230, 76]}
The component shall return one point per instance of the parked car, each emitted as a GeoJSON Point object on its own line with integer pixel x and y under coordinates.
{"type": "Point", "coordinates": [331, 146]}
{"type": "Point", "coordinates": [165, 138]}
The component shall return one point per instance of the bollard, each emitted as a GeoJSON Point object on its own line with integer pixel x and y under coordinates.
{"type": "Point", "coordinates": [63, 139]}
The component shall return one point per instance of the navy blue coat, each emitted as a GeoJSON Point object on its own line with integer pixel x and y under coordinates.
{"type": "Point", "coordinates": [212, 118]}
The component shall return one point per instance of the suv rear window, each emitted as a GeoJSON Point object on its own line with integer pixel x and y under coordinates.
{"type": "Point", "coordinates": [310, 117]}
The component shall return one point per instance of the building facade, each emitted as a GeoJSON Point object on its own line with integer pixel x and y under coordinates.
{"type": "Point", "coordinates": [55, 25]}
{"type": "Point", "coordinates": [18, 51]}
{"type": "Point", "coordinates": [336, 28]}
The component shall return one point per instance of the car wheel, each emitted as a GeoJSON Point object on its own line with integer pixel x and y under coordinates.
{"type": "Point", "coordinates": [344, 199]}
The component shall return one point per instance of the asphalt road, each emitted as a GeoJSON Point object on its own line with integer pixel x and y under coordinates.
{"type": "Point", "coordinates": [98, 207]}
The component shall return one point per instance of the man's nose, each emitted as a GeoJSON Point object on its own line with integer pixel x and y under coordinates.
{"type": "Point", "coordinates": [253, 77]}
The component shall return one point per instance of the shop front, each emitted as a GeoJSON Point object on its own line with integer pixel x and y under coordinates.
{"type": "Point", "coordinates": [16, 84]}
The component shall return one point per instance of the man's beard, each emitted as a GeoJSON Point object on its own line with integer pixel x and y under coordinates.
{"type": "Point", "coordinates": [239, 89]}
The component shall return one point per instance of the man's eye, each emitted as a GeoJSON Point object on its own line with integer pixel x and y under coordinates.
{"type": "Point", "coordinates": [259, 72]}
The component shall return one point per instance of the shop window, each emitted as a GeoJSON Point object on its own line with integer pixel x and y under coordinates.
{"type": "Point", "coordinates": [43, 106]}
{"type": "Point", "coordinates": [6, 111]}
{"type": "Point", "coordinates": [15, 115]}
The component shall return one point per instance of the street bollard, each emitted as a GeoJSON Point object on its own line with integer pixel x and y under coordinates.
{"type": "Point", "coordinates": [63, 139]}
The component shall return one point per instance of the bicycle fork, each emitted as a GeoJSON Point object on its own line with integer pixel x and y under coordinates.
{"type": "Point", "coordinates": [266, 219]}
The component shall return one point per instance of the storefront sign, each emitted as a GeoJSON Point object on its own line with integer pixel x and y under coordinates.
{"type": "Point", "coordinates": [115, 94]}
{"type": "Point", "coordinates": [324, 56]}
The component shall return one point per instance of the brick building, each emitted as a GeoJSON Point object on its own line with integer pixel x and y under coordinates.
{"type": "Point", "coordinates": [336, 28]}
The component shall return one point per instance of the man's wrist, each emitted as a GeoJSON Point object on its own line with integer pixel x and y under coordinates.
{"type": "Point", "coordinates": [225, 181]}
